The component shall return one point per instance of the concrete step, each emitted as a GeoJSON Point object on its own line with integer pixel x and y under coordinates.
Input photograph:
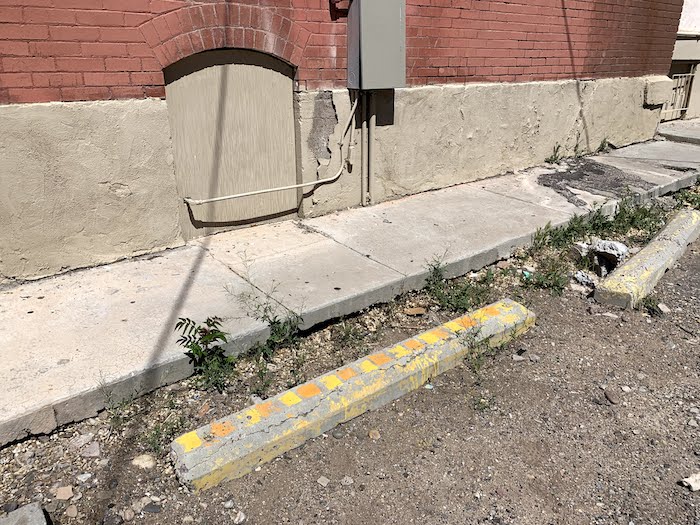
{"type": "Point", "coordinates": [687, 131]}
{"type": "Point", "coordinates": [72, 343]}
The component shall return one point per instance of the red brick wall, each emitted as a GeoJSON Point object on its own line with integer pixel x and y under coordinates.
{"type": "Point", "coordinates": [104, 49]}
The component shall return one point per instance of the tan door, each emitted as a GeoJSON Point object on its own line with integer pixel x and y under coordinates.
{"type": "Point", "coordinates": [232, 121]}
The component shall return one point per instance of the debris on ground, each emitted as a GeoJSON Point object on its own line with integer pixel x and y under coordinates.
{"type": "Point", "coordinates": [414, 311]}
{"type": "Point", "coordinates": [584, 279]}
{"type": "Point", "coordinates": [323, 481]}
{"type": "Point", "coordinates": [692, 482]}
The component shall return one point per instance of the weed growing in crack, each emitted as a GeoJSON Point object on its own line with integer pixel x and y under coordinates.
{"type": "Point", "coordinates": [556, 155]}
{"type": "Point", "coordinates": [457, 295]}
{"type": "Point", "coordinates": [212, 367]}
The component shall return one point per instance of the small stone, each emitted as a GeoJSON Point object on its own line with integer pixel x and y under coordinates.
{"type": "Point", "coordinates": [80, 441]}
{"type": "Point", "coordinates": [72, 511]}
{"type": "Point", "coordinates": [82, 478]}
{"type": "Point", "coordinates": [663, 308]}
{"type": "Point", "coordinates": [374, 434]}
{"type": "Point", "coordinates": [92, 450]}
{"type": "Point", "coordinates": [188, 519]}
{"type": "Point", "coordinates": [578, 288]}
{"type": "Point", "coordinates": [338, 433]}
{"type": "Point", "coordinates": [415, 311]}
{"type": "Point", "coordinates": [428, 386]}
{"type": "Point", "coordinates": [229, 504]}
{"type": "Point", "coordinates": [144, 461]}
{"type": "Point", "coordinates": [64, 493]}
{"type": "Point", "coordinates": [518, 358]}
{"type": "Point", "coordinates": [534, 358]}
{"type": "Point", "coordinates": [127, 514]}
{"type": "Point", "coordinates": [693, 423]}
{"type": "Point", "coordinates": [347, 481]}
{"type": "Point", "coordinates": [112, 518]}
{"type": "Point", "coordinates": [626, 389]}
{"type": "Point", "coordinates": [692, 482]}
{"type": "Point", "coordinates": [611, 396]}
{"type": "Point", "coordinates": [610, 315]}
{"type": "Point", "coordinates": [502, 265]}
{"type": "Point", "coordinates": [323, 481]}
{"type": "Point", "coordinates": [584, 279]}
{"type": "Point", "coordinates": [240, 518]}
{"type": "Point", "coordinates": [579, 251]}
{"type": "Point", "coordinates": [152, 508]}
{"type": "Point", "coordinates": [10, 506]}
{"type": "Point", "coordinates": [203, 410]}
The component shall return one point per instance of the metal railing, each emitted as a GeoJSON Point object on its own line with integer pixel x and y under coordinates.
{"type": "Point", "coordinates": [680, 96]}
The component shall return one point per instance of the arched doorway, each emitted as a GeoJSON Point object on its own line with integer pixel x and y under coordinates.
{"type": "Point", "coordinates": [231, 115]}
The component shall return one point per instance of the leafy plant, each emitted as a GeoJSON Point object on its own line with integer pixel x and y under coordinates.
{"type": "Point", "coordinates": [689, 197]}
{"type": "Point", "coordinates": [205, 351]}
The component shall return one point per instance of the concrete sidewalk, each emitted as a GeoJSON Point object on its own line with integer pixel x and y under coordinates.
{"type": "Point", "coordinates": [687, 131]}
{"type": "Point", "coordinates": [71, 343]}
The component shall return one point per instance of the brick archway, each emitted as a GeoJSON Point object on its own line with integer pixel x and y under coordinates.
{"type": "Point", "coordinates": [201, 27]}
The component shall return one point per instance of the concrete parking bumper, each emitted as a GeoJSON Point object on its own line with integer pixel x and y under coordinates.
{"type": "Point", "coordinates": [235, 445]}
{"type": "Point", "coordinates": [636, 278]}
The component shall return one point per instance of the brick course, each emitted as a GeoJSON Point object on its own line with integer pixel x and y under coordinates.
{"type": "Point", "coordinates": [102, 49]}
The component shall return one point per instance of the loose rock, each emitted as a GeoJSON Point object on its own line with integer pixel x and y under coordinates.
{"type": "Point", "coordinates": [64, 493]}
{"type": "Point", "coordinates": [692, 482]}
{"type": "Point", "coordinates": [72, 511]}
{"type": "Point", "coordinates": [664, 308]}
{"type": "Point", "coordinates": [612, 396]}
{"type": "Point", "coordinates": [240, 518]}
{"type": "Point", "coordinates": [418, 310]}
{"type": "Point", "coordinates": [92, 450]}
{"type": "Point", "coordinates": [584, 278]}
{"type": "Point", "coordinates": [152, 508]}
{"type": "Point", "coordinates": [374, 434]}
{"type": "Point", "coordinates": [323, 481]}
{"type": "Point", "coordinates": [144, 461]}
{"type": "Point", "coordinates": [229, 504]}
{"type": "Point", "coordinates": [346, 481]}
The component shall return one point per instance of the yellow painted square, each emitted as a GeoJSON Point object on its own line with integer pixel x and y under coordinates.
{"type": "Point", "coordinates": [368, 366]}
{"type": "Point", "coordinates": [399, 351]}
{"type": "Point", "coordinates": [189, 441]}
{"type": "Point", "coordinates": [429, 337]}
{"type": "Point", "coordinates": [454, 326]}
{"type": "Point", "coordinates": [331, 381]}
{"type": "Point", "coordinates": [290, 399]}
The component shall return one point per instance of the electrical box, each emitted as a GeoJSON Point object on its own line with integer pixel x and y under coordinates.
{"type": "Point", "coordinates": [377, 44]}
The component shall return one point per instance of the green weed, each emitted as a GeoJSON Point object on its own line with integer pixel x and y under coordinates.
{"type": "Point", "coordinates": [552, 274]}
{"type": "Point", "coordinates": [157, 438]}
{"type": "Point", "coordinates": [556, 155]}
{"type": "Point", "coordinates": [212, 366]}
{"type": "Point", "coordinates": [457, 295]}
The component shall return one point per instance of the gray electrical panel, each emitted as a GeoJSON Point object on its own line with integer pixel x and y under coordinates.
{"type": "Point", "coordinates": [377, 44]}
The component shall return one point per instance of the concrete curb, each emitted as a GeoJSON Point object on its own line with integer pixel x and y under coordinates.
{"type": "Point", "coordinates": [235, 445]}
{"type": "Point", "coordinates": [678, 137]}
{"type": "Point", "coordinates": [636, 278]}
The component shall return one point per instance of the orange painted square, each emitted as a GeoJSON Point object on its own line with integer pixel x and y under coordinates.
{"type": "Point", "coordinates": [222, 429]}
{"type": "Point", "coordinates": [466, 322]}
{"type": "Point", "coordinates": [308, 390]}
{"type": "Point", "coordinates": [266, 408]}
{"type": "Point", "coordinates": [413, 344]}
{"type": "Point", "coordinates": [346, 373]}
{"type": "Point", "coordinates": [379, 359]}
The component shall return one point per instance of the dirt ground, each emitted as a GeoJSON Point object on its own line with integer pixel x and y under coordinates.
{"type": "Point", "coordinates": [529, 436]}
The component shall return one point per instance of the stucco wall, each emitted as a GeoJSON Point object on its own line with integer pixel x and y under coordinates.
{"type": "Point", "coordinates": [84, 183]}
{"type": "Point", "coordinates": [446, 135]}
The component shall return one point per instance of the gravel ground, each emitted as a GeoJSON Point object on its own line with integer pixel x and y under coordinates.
{"type": "Point", "coordinates": [592, 417]}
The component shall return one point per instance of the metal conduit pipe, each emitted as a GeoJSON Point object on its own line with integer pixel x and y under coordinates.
{"type": "Point", "coordinates": [198, 202]}
{"type": "Point", "coordinates": [363, 151]}
{"type": "Point", "coordinates": [371, 146]}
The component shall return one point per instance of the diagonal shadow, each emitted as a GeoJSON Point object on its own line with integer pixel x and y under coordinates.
{"type": "Point", "coordinates": [122, 455]}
